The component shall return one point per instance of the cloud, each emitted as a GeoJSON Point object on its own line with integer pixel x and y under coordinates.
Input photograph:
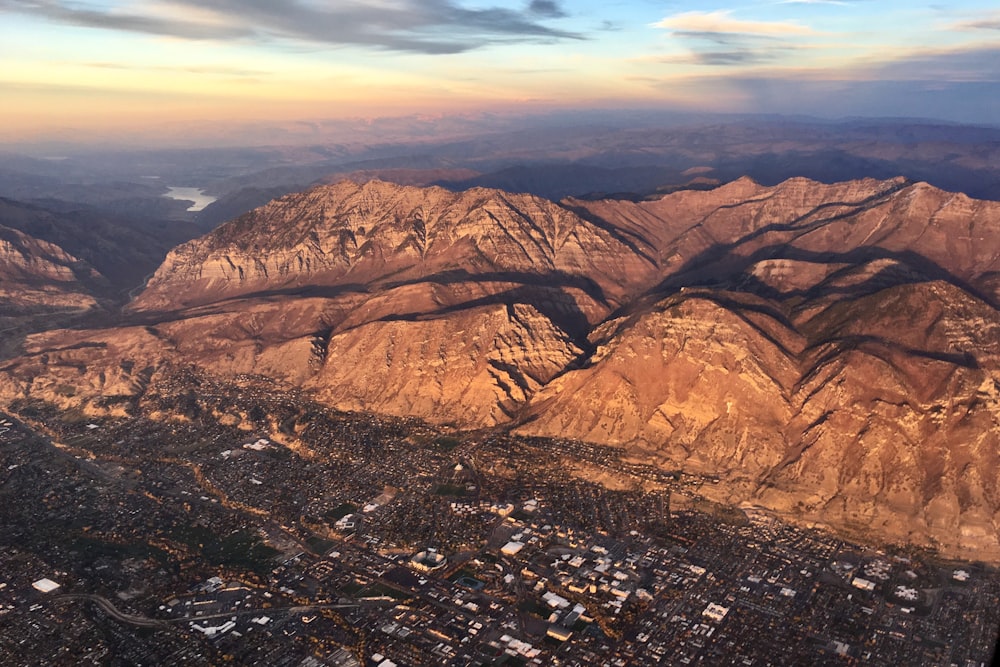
{"type": "Point", "coordinates": [875, 98]}
{"type": "Point", "coordinates": [716, 39]}
{"type": "Point", "coordinates": [927, 84]}
{"type": "Point", "coordinates": [721, 22]}
{"type": "Point", "coordinates": [420, 26]}
{"type": "Point", "coordinates": [721, 38]}
{"type": "Point", "coordinates": [974, 65]}
{"type": "Point", "coordinates": [546, 8]}
{"type": "Point", "coordinates": [79, 15]}
{"type": "Point", "coordinates": [982, 24]}
{"type": "Point", "coordinates": [734, 57]}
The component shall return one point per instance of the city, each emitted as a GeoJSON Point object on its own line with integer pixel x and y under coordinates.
{"type": "Point", "coordinates": [250, 526]}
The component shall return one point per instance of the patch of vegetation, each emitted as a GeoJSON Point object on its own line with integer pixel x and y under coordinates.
{"type": "Point", "coordinates": [340, 511]}
{"type": "Point", "coordinates": [352, 589]}
{"type": "Point", "coordinates": [91, 549]}
{"type": "Point", "coordinates": [725, 513]}
{"type": "Point", "coordinates": [379, 589]}
{"type": "Point", "coordinates": [470, 582]}
{"type": "Point", "coordinates": [239, 549]}
{"type": "Point", "coordinates": [447, 442]}
{"type": "Point", "coordinates": [112, 400]}
{"type": "Point", "coordinates": [534, 608]}
{"type": "Point", "coordinates": [278, 453]}
{"type": "Point", "coordinates": [74, 417]}
{"type": "Point", "coordinates": [463, 572]}
{"type": "Point", "coordinates": [319, 544]}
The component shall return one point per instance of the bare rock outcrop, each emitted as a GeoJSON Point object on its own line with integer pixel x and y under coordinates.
{"type": "Point", "coordinates": [831, 352]}
{"type": "Point", "coordinates": [37, 274]}
{"type": "Point", "coordinates": [474, 368]}
{"type": "Point", "coordinates": [377, 235]}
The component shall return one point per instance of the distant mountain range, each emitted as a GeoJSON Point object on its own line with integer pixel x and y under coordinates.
{"type": "Point", "coordinates": [831, 352]}
{"type": "Point", "coordinates": [626, 153]}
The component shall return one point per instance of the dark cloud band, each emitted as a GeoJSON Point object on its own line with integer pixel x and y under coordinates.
{"type": "Point", "coordinates": [420, 26]}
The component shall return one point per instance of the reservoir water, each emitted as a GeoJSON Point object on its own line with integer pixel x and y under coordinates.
{"type": "Point", "coordinates": [197, 195]}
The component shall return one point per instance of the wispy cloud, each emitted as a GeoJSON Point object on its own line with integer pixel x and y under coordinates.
{"type": "Point", "coordinates": [92, 17]}
{"type": "Point", "coordinates": [722, 22]}
{"type": "Point", "coordinates": [717, 39]}
{"type": "Point", "coordinates": [990, 23]}
{"type": "Point", "coordinates": [421, 26]}
{"type": "Point", "coordinates": [969, 65]}
{"type": "Point", "coordinates": [546, 9]}
{"type": "Point", "coordinates": [724, 58]}
{"type": "Point", "coordinates": [923, 83]}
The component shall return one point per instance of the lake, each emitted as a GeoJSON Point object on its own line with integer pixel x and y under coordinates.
{"type": "Point", "coordinates": [196, 195]}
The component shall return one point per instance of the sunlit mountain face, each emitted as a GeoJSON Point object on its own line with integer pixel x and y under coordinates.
{"type": "Point", "coordinates": [793, 340]}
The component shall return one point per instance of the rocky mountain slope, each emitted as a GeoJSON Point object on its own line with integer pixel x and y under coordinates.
{"type": "Point", "coordinates": [65, 263]}
{"type": "Point", "coordinates": [381, 236]}
{"type": "Point", "coordinates": [35, 274]}
{"type": "Point", "coordinates": [831, 352]}
{"type": "Point", "coordinates": [124, 250]}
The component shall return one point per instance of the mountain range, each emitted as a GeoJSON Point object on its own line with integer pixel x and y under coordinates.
{"type": "Point", "coordinates": [830, 352]}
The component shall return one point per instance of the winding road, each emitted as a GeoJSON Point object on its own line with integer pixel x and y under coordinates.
{"type": "Point", "coordinates": [144, 622]}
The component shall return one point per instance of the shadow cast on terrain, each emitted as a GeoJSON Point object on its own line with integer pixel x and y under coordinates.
{"type": "Point", "coordinates": [883, 279]}
{"type": "Point", "coordinates": [223, 306]}
{"type": "Point", "coordinates": [551, 279]}
{"type": "Point", "coordinates": [623, 236]}
{"type": "Point", "coordinates": [712, 269]}
{"type": "Point", "coordinates": [553, 303]}
{"type": "Point", "coordinates": [713, 256]}
{"type": "Point", "coordinates": [860, 341]}
{"type": "Point", "coordinates": [879, 348]}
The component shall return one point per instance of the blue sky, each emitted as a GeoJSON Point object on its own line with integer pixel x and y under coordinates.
{"type": "Point", "coordinates": [90, 64]}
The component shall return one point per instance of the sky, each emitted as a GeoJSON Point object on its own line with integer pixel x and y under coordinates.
{"type": "Point", "coordinates": [90, 66]}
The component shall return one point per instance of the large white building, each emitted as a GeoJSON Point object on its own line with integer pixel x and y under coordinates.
{"type": "Point", "coordinates": [45, 585]}
{"type": "Point", "coordinates": [512, 548]}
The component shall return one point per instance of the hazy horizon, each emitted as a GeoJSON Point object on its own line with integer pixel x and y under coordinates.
{"type": "Point", "coordinates": [223, 72]}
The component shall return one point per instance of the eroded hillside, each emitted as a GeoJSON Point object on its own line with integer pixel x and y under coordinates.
{"type": "Point", "coordinates": [829, 351]}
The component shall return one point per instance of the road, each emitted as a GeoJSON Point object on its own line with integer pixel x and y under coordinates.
{"type": "Point", "coordinates": [108, 608]}
{"type": "Point", "coordinates": [144, 622]}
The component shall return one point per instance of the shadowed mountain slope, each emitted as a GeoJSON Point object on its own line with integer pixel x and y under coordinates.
{"type": "Point", "coordinates": [828, 351]}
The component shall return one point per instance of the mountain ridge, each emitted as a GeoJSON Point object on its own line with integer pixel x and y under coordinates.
{"type": "Point", "coordinates": [831, 352]}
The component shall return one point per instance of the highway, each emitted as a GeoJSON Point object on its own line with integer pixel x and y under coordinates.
{"type": "Point", "coordinates": [144, 622]}
{"type": "Point", "coordinates": [108, 608]}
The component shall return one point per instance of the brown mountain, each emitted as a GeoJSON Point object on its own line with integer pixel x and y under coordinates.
{"type": "Point", "coordinates": [36, 274]}
{"type": "Point", "coordinates": [124, 250]}
{"type": "Point", "coordinates": [41, 286]}
{"type": "Point", "coordinates": [65, 263]}
{"type": "Point", "coordinates": [828, 351]}
{"type": "Point", "coordinates": [375, 296]}
{"type": "Point", "coordinates": [380, 236]}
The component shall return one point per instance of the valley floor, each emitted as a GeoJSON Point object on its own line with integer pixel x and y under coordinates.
{"type": "Point", "coordinates": [250, 527]}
